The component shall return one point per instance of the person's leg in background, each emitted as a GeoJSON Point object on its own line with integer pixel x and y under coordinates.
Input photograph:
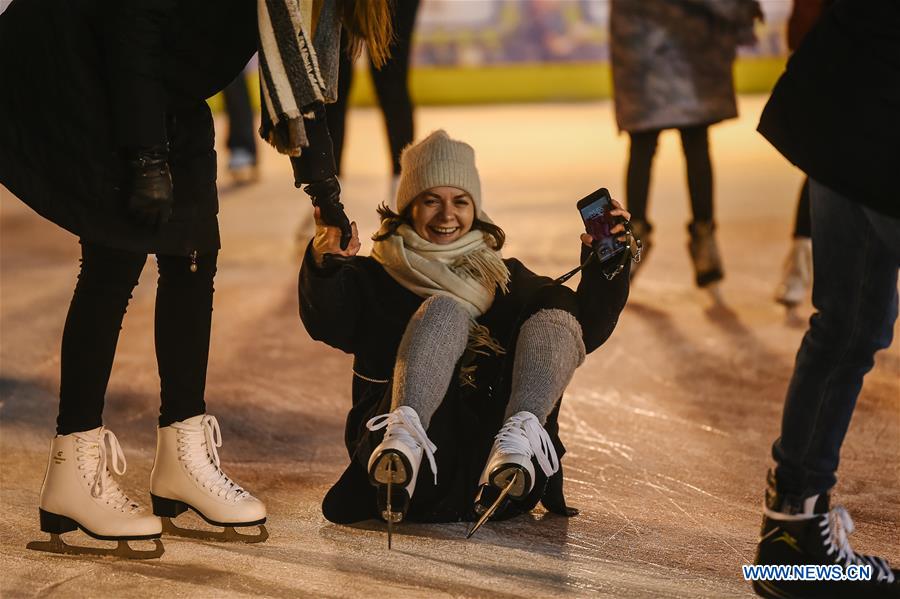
{"type": "Point", "coordinates": [241, 135]}
{"type": "Point", "coordinates": [702, 246]}
{"type": "Point", "coordinates": [796, 277]}
{"type": "Point", "coordinates": [337, 111]}
{"type": "Point", "coordinates": [642, 148]}
{"type": "Point", "coordinates": [392, 87]}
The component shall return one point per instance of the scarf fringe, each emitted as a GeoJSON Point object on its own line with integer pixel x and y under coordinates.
{"type": "Point", "coordinates": [467, 376]}
{"type": "Point", "coordinates": [480, 340]}
{"type": "Point", "coordinates": [485, 266]}
{"type": "Point", "coordinates": [291, 77]}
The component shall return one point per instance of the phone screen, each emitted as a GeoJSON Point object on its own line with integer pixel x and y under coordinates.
{"type": "Point", "coordinates": [598, 222]}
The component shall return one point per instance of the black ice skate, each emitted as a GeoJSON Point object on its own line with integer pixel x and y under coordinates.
{"type": "Point", "coordinates": [509, 472]}
{"type": "Point", "coordinates": [807, 532]}
{"type": "Point", "coordinates": [79, 491]}
{"type": "Point", "coordinates": [394, 464]}
{"type": "Point", "coordinates": [187, 475]}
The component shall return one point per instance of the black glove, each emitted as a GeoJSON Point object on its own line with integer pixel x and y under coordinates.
{"type": "Point", "coordinates": [149, 197]}
{"type": "Point", "coordinates": [326, 195]}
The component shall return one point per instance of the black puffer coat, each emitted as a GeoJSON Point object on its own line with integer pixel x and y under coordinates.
{"type": "Point", "coordinates": [357, 307]}
{"type": "Point", "coordinates": [83, 78]}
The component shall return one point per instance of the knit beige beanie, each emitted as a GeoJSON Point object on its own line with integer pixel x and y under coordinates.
{"type": "Point", "coordinates": [438, 161]}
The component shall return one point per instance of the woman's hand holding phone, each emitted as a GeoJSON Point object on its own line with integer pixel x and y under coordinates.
{"type": "Point", "coordinates": [617, 211]}
{"type": "Point", "coordinates": [327, 240]}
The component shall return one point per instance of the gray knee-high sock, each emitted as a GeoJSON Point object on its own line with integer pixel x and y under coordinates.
{"type": "Point", "coordinates": [432, 344]}
{"type": "Point", "coordinates": [548, 351]}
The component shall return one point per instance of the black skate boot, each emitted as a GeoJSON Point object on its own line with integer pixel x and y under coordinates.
{"type": "Point", "coordinates": [800, 532]}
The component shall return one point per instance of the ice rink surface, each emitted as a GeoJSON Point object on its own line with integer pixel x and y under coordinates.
{"type": "Point", "coordinates": [668, 425]}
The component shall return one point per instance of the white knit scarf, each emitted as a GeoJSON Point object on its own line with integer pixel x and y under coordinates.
{"type": "Point", "coordinates": [466, 269]}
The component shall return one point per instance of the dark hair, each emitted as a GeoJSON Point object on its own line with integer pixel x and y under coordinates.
{"type": "Point", "coordinates": [495, 237]}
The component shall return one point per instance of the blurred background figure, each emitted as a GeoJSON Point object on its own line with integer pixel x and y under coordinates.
{"type": "Point", "coordinates": [391, 84]}
{"type": "Point", "coordinates": [672, 69]}
{"type": "Point", "coordinates": [796, 278]}
{"type": "Point", "coordinates": [241, 132]}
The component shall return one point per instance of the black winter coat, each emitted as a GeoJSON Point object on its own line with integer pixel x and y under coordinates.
{"type": "Point", "coordinates": [357, 307]}
{"type": "Point", "coordinates": [82, 79]}
{"type": "Point", "coordinates": [835, 112]}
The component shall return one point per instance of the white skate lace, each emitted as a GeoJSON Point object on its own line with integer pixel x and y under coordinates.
{"type": "Point", "coordinates": [404, 425]}
{"type": "Point", "coordinates": [197, 449]}
{"type": "Point", "coordinates": [92, 455]}
{"type": "Point", "coordinates": [523, 434]}
{"type": "Point", "coordinates": [836, 527]}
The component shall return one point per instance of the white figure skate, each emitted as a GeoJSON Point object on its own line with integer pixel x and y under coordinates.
{"type": "Point", "coordinates": [80, 492]}
{"type": "Point", "coordinates": [796, 279]}
{"type": "Point", "coordinates": [394, 464]}
{"type": "Point", "coordinates": [509, 471]}
{"type": "Point", "coordinates": [187, 474]}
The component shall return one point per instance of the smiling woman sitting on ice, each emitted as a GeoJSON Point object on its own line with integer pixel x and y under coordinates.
{"type": "Point", "coordinates": [460, 356]}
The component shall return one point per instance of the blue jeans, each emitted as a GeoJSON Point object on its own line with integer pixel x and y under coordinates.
{"type": "Point", "coordinates": [856, 253]}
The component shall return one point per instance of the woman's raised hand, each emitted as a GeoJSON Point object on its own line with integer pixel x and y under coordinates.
{"type": "Point", "coordinates": [617, 210]}
{"type": "Point", "coordinates": [327, 239]}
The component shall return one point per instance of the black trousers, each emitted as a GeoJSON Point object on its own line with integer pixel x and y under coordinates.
{"type": "Point", "coordinates": [803, 220]}
{"type": "Point", "coordinates": [391, 87]}
{"type": "Point", "coordinates": [695, 142]}
{"type": "Point", "coordinates": [182, 328]}
{"type": "Point", "coordinates": [240, 115]}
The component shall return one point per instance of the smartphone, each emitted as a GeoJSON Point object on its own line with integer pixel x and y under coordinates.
{"type": "Point", "coordinates": [595, 212]}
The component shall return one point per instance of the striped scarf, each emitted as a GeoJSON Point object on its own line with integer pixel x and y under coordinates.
{"type": "Point", "coordinates": [299, 47]}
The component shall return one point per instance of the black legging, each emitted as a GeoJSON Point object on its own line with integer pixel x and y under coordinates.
{"type": "Point", "coordinates": [240, 116]}
{"type": "Point", "coordinates": [391, 86]}
{"type": "Point", "coordinates": [695, 142]}
{"type": "Point", "coordinates": [802, 221]}
{"type": "Point", "coordinates": [183, 318]}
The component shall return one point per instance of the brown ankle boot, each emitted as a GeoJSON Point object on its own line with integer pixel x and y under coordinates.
{"type": "Point", "coordinates": [705, 253]}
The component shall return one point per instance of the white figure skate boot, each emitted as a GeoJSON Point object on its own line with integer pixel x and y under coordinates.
{"type": "Point", "coordinates": [187, 474]}
{"type": "Point", "coordinates": [80, 492]}
{"type": "Point", "coordinates": [796, 279]}
{"type": "Point", "coordinates": [394, 464]}
{"type": "Point", "coordinates": [509, 471]}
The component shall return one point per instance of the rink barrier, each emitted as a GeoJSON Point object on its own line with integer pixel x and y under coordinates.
{"type": "Point", "coordinates": [566, 82]}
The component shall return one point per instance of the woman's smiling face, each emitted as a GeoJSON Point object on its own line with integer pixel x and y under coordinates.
{"type": "Point", "coordinates": [442, 214]}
